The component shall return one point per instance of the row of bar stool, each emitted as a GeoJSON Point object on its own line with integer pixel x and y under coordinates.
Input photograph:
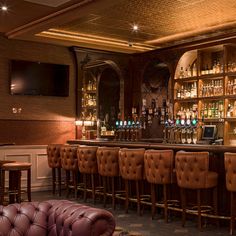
{"type": "Point", "coordinates": [158, 167]}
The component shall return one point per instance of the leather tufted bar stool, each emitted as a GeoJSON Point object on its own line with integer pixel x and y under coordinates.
{"type": "Point", "coordinates": [15, 171]}
{"type": "Point", "coordinates": [131, 165]}
{"type": "Point", "coordinates": [158, 166]}
{"type": "Point", "coordinates": [108, 168]}
{"type": "Point", "coordinates": [230, 169]}
{"type": "Point", "coordinates": [54, 162]}
{"type": "Point", "coordinates": [87, 161]}
{"type": "Point", "coordinates": [69, 163]}
{"type": "Point", "coordinates": [192, 171]}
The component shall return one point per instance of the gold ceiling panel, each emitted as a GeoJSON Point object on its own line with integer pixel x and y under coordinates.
{"type": "Point", "coordinates": [157, 19]}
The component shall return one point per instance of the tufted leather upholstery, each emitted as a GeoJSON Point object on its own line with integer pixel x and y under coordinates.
{"type": "Point", "coordinates": [69, 157]}
{"type": "Point", "coordinates": [131, 163]}
{"type": "Point", "coordinates": [230, 168]}
{"type": "Point", "coordinates": [53, 153]}
{"type": "Point", "coordinates": [192, 170]}
{"type": "Point", "coordinates": [107, 158]}
{"type": "Point", "coordinates": [87, 159]}
{"type": "Point", "coordinates": [54, 217]}
{"type": "Point", "coordinates": [158, 165]}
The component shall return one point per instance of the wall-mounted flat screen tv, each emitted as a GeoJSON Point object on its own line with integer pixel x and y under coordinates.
{"type": "Point", "coordinates": [38, 78]}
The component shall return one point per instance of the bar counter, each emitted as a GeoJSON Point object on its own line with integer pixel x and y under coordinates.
{"type": "Point", "coordinates": [152, 145]}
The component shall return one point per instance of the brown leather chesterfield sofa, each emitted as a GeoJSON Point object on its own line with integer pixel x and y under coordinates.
{"type": "Point", "coordinates": [54, 218]}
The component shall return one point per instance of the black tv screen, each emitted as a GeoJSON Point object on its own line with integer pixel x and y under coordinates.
{"type": "Point", "coordinates": [38, 78]}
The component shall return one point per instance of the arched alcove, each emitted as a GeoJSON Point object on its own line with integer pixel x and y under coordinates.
{"type": "Point", "coordinates": [108, 97]}
{"type": "Point", "coordinates": [155, 96]}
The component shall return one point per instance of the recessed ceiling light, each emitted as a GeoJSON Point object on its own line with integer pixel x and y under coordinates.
{"type": "Point", "coordinates": [135, 27]}
{"type": "Point", "coordinates": [4, 8]}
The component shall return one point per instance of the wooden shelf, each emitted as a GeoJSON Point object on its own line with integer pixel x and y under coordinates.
{"type": "Point", "coordinates": [211, 76]}
{"type": "Point", "coordinates": [187, 79]}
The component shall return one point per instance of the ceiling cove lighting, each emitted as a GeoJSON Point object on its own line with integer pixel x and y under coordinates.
{"type": "Point", "coordinates": [86, 38]}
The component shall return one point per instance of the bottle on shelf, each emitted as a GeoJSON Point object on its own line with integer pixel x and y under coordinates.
{"type": "Point", "coordinates": [189, 71]}
{"type": "Point", "coordinates": [181, 73]}
{"type": "Point", "coordinates": [194, 73]}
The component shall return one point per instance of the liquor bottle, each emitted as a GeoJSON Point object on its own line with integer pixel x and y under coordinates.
{"type": "Point", "coordinates": [205, 111]}
{"type": "Point", "coordinates": [189, 71]}
{"type": "Point", "coordinates": [194, 69]}
{"type": "Point", "coordinates": [216, 109]}
{"type": "Point", "coordinates": [181, 73]}
{"type": "Point", "coordinates": [228, 113]}
{"type": "Point", "coordinates": [234, 87]}
{"type": "Point", "coordinates": [209, 110]}
{"type": "Point", "coordinates": [214, 68]}
{"type": "Point", "coordinates": [234, 109]}
{"type": "Point", "coordinates": [221, 109]}
{"type": "Point", "coordinates": [178, 93]}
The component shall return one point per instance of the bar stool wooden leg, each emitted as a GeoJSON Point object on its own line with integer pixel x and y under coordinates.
{"type": "Point", "coordinates": [199, 209]}
{"type": "Point", "coordinates": [67, 183]}
{"type": "Point", "coordinates": [29, 184]}
{"type": "Point", "coordinates": [53, 180]}
{"type": "Point", "coordinates": [75, 181]}
{"type": "Point", "coordinates": [215, 206]}
{"type": "Point", "coordinates": [59, 180]}
{"type": "Point", "coordinates": [113, 192]}
{"type": "Point", "coordinates": [126, 196]}
{"type": "Point", "coordinates": [153, 199]}
{"type": "Point", "coordinates": [138, 197]}
{"type": "Point", "coordinates": [85, 186]}
{"type": "Point", "coordinates": [93, 188]}
{"type": "Point", "coordinates": [1, 186]}
{"type": "Point", "coordinates": [232, 214]}
{"type": "Point", "coordinates": [165, 202]}
{"type": "Point", "coordinates": [183, 203]}
{"type": "Point", "coordinates": [104, 180]}
{"type": "Point", "coordinates": [18, 176]}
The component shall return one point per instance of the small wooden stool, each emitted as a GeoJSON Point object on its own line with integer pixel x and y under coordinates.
{"type": "Point", "coordinates": [15, 169]}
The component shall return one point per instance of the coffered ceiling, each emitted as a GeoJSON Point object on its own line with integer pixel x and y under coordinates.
{"type": "Point", "coordinates": [107, 24]}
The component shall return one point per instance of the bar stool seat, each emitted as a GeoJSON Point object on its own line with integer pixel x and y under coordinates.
{"type": "Point", "coordinates": [87, 162]}
{"type": "Point", "coordinates": [159, 166]}
{"type": "Point", "coordinates": [15, 171]}
{"type": "Point", "coordinates": [54, 162]}
{"type": "Point", "coordinates": [108, 168]}
{"type": "Point", "coordinates": [69, 163]}
{"type": "Point", "coordinates": [131, 165]}
{"type": "Point", "coordinates": [192, 171]}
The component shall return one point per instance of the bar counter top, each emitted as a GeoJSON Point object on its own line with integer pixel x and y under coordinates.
{"type": "Point", "coordinates": [152, 145]}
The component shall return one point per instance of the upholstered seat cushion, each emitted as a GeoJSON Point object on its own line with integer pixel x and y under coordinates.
{"type": "Point", "coordinates": [54, 217]}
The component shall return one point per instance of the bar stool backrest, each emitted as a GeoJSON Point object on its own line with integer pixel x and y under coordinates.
{"type": "Point", "coordinates": [69, 157]}
{"type": "Point", "coordinates": [230, 169]}
{"type": "Point", "coordinates": [192, 169]}
{"type": "Point", "coordinates": [87, 159]}
{"type": "Point", "coordinates": [159, 166]}
{"type": "Point", "coordinates": [131, 163]}
{"type": "Point", "coordinates": [108, 161]}
{"type": "Point", "coordinates": [53, 153]}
